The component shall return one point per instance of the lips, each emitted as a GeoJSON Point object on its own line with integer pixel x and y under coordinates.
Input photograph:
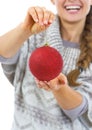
{"type": "Point", "coordinates": [72, 7]}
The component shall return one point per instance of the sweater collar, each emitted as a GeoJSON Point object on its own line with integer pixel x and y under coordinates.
{"type": "Point", "coordinates": [53, 35]}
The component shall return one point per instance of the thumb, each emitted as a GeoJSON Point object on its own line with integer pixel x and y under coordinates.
{"type": "Point", "coordinates": [62, 79]}
{"type": "Point", "coordinates": [36, 28]}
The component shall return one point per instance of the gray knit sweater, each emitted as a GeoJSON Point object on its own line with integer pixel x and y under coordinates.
{"type": "Point", "coordinates": [37, 109]}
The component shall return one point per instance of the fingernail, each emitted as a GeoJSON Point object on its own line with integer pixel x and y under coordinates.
{"type": "Point", "coordinates": [50, 21]}
{"type": "Point", "coordinates": [63, 82]}
{"type": "Point", "coordinates": [45, 22]}
{"type": "Point", "coordinates": [36, 20]}
{"type": "Point", "coordinates": [41, 83]}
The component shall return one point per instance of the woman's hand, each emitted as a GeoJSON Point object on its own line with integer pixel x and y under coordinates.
{"type": "Point", "coordinates": [37, 19]}
{"type": "Point", "coordinates": [64, 94]}
{"type": "Point", "coordinates": [53, 85]}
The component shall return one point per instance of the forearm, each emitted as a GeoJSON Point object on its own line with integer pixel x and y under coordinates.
{"type": "Point", "coordinates": [67, 98]}
{"type": "Point", "coordinates": [12, 41]}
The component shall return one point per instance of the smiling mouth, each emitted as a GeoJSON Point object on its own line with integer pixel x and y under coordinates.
{"type": "Point", "coordinates": [72, 8]}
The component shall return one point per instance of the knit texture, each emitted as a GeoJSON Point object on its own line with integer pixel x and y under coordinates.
{"type": "Point", "coordinates": [37, 109]}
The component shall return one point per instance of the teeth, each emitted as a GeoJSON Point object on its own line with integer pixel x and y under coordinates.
{"type": "Point", "coordinates": [72, 7]}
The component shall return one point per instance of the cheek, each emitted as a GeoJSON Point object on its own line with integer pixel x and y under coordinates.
{"type": "Point", "coordinates": [59, 2]}
{"type": "Point", "coordinates": [86, 6]}
{"type": "Point", "coordinates": [87, 10]}
{"type": "Point", "coordinates": [88, 3]}
{"type": "Point", "coordinates": [59, 5]}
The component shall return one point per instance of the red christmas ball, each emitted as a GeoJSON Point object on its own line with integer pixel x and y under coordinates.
{"type": "Point", "coordinates": [45, 63]}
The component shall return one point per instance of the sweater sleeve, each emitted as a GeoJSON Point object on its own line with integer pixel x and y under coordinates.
{"type": "Point", "coordinates": [78, 111]}
{"type": "Point", "coordinates": [86, 90]}
{"type": "Point", "coordinates": [18, 62]}
{"type": "Point", "coordinates": [11, 60]}
{"type": "Point", "coordinates": [8, 65]}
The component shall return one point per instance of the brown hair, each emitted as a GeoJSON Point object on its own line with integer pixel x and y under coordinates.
{"type": "Point", "coordinates": [85, 57]}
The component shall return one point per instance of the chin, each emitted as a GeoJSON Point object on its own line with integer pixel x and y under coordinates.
{"type": "Point", "coordinates": [73, 20]}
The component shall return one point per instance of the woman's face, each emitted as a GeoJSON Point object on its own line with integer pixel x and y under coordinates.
{"type": "Point", "coordinates": [72, 10]}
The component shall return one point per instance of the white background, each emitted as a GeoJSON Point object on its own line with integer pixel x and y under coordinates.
{"type": "Point", "coordinates": [12, 12]}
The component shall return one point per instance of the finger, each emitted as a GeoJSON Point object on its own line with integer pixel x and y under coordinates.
{"type": "Point", "coordinates": [51, 18]}
{"type": "Point", "coordinates": [40, 14]}
{"type": "Point", "coordinates": [62, 79]}
{"type": "Point", "coordinates": [45, 86]}
{"type": "Point", "coordinates": [56, 83]}
{"type": "Point", "coordinates": [53, 83]}
{"type": "Point", "coordinates": [46, 16]}
{"type": "Point", "coordinates": [37, 82]}
{"type": "Point", "coordinates": [33, 14]}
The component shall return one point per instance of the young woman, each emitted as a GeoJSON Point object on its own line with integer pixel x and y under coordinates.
{"type": "Point", "coordinates": [51, 105]}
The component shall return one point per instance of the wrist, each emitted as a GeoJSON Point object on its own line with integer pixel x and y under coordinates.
{"type": "Point", "coordinates": [26, 31]}
{"type": "Point", "coordinates": [66, 97]}
{"type": "Point", "coordinates": [60, 88]}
